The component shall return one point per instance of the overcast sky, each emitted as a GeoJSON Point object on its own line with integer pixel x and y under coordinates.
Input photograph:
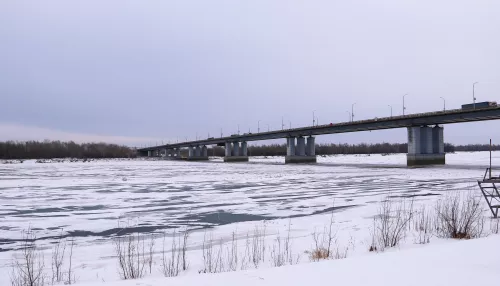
{"type": "Point", "coordinates": [136, 72]}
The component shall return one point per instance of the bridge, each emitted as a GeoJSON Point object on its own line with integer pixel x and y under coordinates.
{"type": "Point", "coordinates": [425, 137]}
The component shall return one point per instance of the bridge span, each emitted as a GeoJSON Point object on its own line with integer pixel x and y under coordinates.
{"type": "Point", "coordinates": [425, 137]}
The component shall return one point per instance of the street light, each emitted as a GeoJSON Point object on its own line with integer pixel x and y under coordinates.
{"type": "Point", "coordinates": [290, 122]}
{"type": "Point", "coordinates": [221, 133]}
{"type": "Point", "coordinates": [404, 107]}
{"type": "Point", "coordinates": [444, 103]}
{"type": "Point", "coordinates": [314, 118]}
{"type": "Point", "coordinates": [267, 127]}
{"type": "Point", "coordinates": [473, 94]}
{"type": "Point", "coordinates": [282, 124]}
{"type": "Point", "coordinates": [391, 109]}
{"type": "Point", "coordinates": [352, 112]}
{"type": "Point", "coordinates": [258, 126]}
{"type": "Point", "coordinates": [238, 129]}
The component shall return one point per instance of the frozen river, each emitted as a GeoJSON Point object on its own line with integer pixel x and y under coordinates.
{"type": "Point", "coordinates": [92, 201]}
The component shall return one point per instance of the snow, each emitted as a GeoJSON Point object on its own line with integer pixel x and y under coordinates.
{"type": "Point", "coordinates": [456, 263]}
{"type": "Point", "coordinates": [93, 201]}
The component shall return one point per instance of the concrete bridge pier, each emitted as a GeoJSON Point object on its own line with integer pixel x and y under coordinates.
{"type": "Point", "coordinates": [302, 152]}
{"type": "Point", "coordinates": [425, 146]}
{"type": "Point", "coordinates": [235, 152]}
{"type": "Point", "coordinates": [196, 153]}
{"type": "Point", "coordinates": [149, 153]}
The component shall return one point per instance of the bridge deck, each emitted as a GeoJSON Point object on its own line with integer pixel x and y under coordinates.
{"type": "Point", "coordinates": [419, 119]}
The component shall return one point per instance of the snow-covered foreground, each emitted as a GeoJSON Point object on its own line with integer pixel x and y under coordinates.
{"type": "Point", "coordinates": [96, 201]}
{"type": "Point", "coordinates": [473, 262]}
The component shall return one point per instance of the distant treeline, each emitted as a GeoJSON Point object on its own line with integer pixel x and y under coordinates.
{"type": "Point", "coordinates": [476, 147]}
{"type": "Point", "coordinates": [331, 149]}
{"type": "Point", "coordinates": [58, 149]}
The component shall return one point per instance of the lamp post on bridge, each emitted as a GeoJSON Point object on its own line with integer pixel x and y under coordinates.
{"type": "Point", "coordinates": [314, 118]}
{"type": "Point", "coordinates": [404, 107]}
{"type": "Point", "coordinates": [258, 126]}
{"type": "Point", "coordinates": [268, 128]}
{"type": "Point", "coordinates": [473, 94]}
{"type": "Point", "coordinates": [352, 112]}
{"type": "Point", "coordinates": [391, 109]}
{"type": "Point", "coordinates": [444, 103]}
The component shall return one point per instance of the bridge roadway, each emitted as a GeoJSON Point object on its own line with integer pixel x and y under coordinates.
{"type": "Point", "coordinates": [423, 140]}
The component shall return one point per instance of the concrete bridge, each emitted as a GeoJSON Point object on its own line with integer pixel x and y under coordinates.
{"type": "Point", "coordinates": [425, 137]}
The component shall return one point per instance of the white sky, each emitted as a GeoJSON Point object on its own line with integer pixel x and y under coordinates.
{"type": "Point", "coordinates": [136, 72]}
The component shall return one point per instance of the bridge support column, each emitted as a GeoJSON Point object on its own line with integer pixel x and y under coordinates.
{"type": "Point", "coordinates": [190, 152]}
{"type": "Point", "coordinates": [425, 146]}
{"type": "Point", "coordinates": [300, 153]}
{"type": "Point", "coordinates": [197, 153]}
{"type": "Point", "coordinates": [244, 149]}
{"type": "Point", "coordinates": [204, 151]}
{"type": "Point", "coordinates": [149, 153]}
{"type": "Point", "coordinates": [311, 146]}
{"type": "Point", "coordinates": [236, 154]}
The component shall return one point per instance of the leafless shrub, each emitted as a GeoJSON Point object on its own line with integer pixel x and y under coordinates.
{"type": "Point", "coordinates": [459, 216]}
{"type": "Point", "coordinates": [258, 246]}
{"type": "Point", "coordinates": [58, 253]}
{"type": "Point", "coordinates": [131, 254]}
{"type": "Point", "coordinates": [185, 264]}
{"type": "Point", "coordinates": [70, 277]}
{"type": "Point", "coordinates": [28, 267]}
{"type": "Point", "coordinates": [494, 225]}
{"type": "Point", "coordinates": [390, 224]}
{"type": "Point", "coordinates": [212, 258]}
{"type": "Point", "coordinates": [340, 254]}
{"type": "Point", "coordinates": [232, 254]}
{"type": "Point", "coordinates": [151, 246]}
{"type": "Point", "coordinates": [323, 242]}
{"type": "Point", "coordinates": [422, 224]}
{"type": "Point", "coordinates": [245, 260]}
{"type": "Point", "coordinates": [173, 265]}
{"type": "Point", "coordinates": [282, 253]}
